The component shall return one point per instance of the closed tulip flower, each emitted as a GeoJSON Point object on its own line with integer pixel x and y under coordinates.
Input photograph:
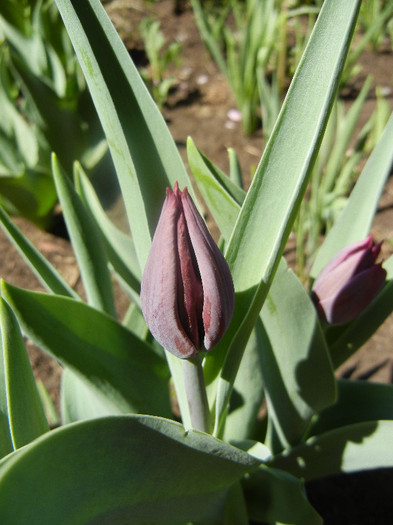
{"type": "Point", "coordinates": [349, 282]}
{"type": "Point", "coordinates": [187, 293]}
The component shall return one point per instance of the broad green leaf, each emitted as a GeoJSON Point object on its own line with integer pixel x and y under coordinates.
{"type": "Point", "coordinates": [143, 151]}
{"type": "Point", "coordinates": [360, 446]}
{"type": "Point", "coordinates": [278, 498]}
{"type": "Point", "coordinates": [81, 400]}
{"type": "Point", "coordinates": [269, 209]}
{"type": "Point", "coordinates": [87, 244]}
{"type": "Point", "coordinates": [46, 273]}
{"type": "Point", "coordinates": [119, 246]}
{"type": "Point", "coordinates": [357, 401]}
{"type": "Point", "coordinates": [235, 508]}
{"type": "Point", "coordinates": [95, 346]}
{"type": "Point", "coordinates": [356, 219]}
{"type": "Point", "coordinates": [125, 469]}
{"type": "Point", "coordinates": [25, 411]}
{"type": "Point", "coordinates": [248, 392]}
{"type": "Point", "coordinates": [297, 372]}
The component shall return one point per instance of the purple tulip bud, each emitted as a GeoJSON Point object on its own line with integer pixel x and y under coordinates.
{"type": "Point", "coordinates": [187, 291]}
{"type": "Point", "coordinates": [349, 282]}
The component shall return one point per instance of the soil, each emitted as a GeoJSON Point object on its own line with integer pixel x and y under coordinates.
{"type": "Point", "coordinates": [198, 107]}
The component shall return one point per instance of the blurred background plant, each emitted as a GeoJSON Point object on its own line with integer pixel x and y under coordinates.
{"type": "Point", "coordinates": [257, 45]}
{"type": "Point", "coordinates": [373, 31]}
{"type": "Point", "coordinates": [160, 58]}
{"type": "Point", "coordinates": [338, 164]}
{"type": "Point", "coordinates": [250, 40]}
{"type": "Point", "coordinates": [45, 107]}
{"type": "Point", "coordinates": [376, 17]}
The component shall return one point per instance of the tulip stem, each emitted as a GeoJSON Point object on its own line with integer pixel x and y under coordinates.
{"type": "Point", "coordinates": [196, 394]}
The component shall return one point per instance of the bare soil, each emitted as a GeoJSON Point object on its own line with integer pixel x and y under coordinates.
{"type": "Point", "coordinates": [198, 107]}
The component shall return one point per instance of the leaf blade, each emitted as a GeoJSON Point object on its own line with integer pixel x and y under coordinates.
{"type": "Point", "coordinates": [25, 411]}
{"type": "Point", "coordinates": [96, 346]}
{"type": "Point", "coordinates": [143, 151]}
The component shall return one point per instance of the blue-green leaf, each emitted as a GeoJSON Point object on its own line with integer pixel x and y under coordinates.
{"type": "Point", "coordinates": [143, 151]}
{"type": "Point", "coordinates": [349, 448]}
{"type": "Point", "coordinates": [125, 469]}
{"type": "Point", "coordinates": [119, 246]}
{"type": "Point", "coordinates": [87, 244]}
{"type": "Point", "coordinates": [297, 372]}
{"type": "Point", "coordinates": [357, 401]}
{"type": "Point", "coordinates": [26, 415]}
{"type": "Point", "coordinates": [95, 346]}
{"type": "Point", "coordinates": [46, 273]}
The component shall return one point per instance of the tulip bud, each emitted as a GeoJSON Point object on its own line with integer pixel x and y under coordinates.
{"type": "Point", "coordinates": [349, 282]}
{"type": "Point", "coordinates": [187, 293]}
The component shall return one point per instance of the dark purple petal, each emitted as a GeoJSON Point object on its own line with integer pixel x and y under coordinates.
{"type": "Point", "coordinates": [353, 252]}
{"type": "Point", "coordinates": [355, 297]}
{"type": "Point", "coordinates": [190, 291]}
{"type": "Point", "coordinates": [187, 294]}
{"type": "Point", "coordinates": [218, 293]}
{"type": "Point", "coordinates": [349, 282]}
{"type": "Point", "coordinates": [160, 284]}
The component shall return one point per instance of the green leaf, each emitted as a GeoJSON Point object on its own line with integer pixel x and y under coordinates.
{"type": "Point", "coordinates": [81, 400]}
{"type": "Point", "coordinates": [26, 415]}
{"type": "Point", "coordinates": [350, 448]}
{"type": "Point", "coordinates": [5, 435]}
{"type": "Point", "coordinates": [95, 346]}
{"type": "Point", "coordinates": [125, 469]}
{"type": "Point", "coordinates": [46, 273]}
{"type": "Point", "coordinates": [248, 392]}
{"type": "Point", "coordinates": [87, 244]}
{"type": "Point", "coordinates": [355, 220]}
{"type": "Point", "coordinates": [282, 175]}
{"type": "Point", "coordinates": [278, 497]}
{"type": "Point", "coordinates": [269, 210]}
{"type": "Point", "coordinates": [297, 372]}
{"type": "Point", "coordinates": [235, 172]}
{"type": "Point", "coordinates": [222, 196]}
{"type": "Point", "coordinates": [143, 151]}
{"type": "Point", "coordinates": [119, 246]}
{"type": "Point", "coordinates": [357, 401]}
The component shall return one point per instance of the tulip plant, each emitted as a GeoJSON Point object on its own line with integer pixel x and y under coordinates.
{"type": "Point", "coordinates": [214, 398]}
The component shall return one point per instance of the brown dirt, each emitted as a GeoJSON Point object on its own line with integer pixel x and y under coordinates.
{"type": "Point", "coordinates": [198, 107]}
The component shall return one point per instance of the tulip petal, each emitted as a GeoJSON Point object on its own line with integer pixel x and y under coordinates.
{"type": "Point", "coordinates": [218, 292]}
{"type": "Point", "coordinates": [159, 287]}
{"type": "Point", "coordinates": [187, 293]}
{"type": "Point", "coordinates": [190, 291]}
{"type": "Point", "coordinates": [354, 250]}
{"type": "Point", "coordinates": [355, 297]}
